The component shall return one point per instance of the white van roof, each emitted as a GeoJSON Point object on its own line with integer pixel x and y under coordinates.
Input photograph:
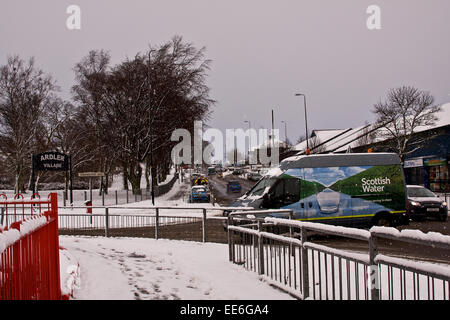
{"type": "Point", "coordinates": [340, 160]}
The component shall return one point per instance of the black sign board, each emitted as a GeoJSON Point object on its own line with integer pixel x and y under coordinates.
{"type": "Point", "coordinates": [50, 161]}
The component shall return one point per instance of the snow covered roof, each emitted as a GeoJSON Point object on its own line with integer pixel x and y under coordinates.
{"type": "Point", "coordinates": [322, 135]}
{"type": "Point", "coordinates": [267, 143]}
{"type": "Point", "coordinates": [346, 139]}
{"type": "Point", "coordinates": [329, 140]}
{"type": "Point", "coordinates": [340, 140]}
{"type": "Point", "coordinates": [443, 119]}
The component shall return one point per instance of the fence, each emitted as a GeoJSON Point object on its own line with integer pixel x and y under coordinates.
{"type": "Point", "coordinates": [174, 222]}
{"type": "Point", "coordinates": [29, 249]}
{"type": "Point", "coordinates": [315, 271]}
{"type": "Point", "coordinates": [116, 197]}
{"type": "Point", "coordinates": [113, 197]}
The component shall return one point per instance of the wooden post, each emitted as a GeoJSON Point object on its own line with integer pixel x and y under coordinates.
{"type": "Point", "coordinates": [70, 181]}
{"type": "Point", "coordinates": [157, 224]}
{"type": "Point", "coordinates": [90, 189]}
{"type": "Point", "coordinates": [106, 222]}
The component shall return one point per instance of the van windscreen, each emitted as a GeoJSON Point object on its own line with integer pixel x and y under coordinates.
{"type": "Point", "coordinates": [261, 186]}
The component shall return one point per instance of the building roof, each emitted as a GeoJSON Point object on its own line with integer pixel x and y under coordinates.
{"type": "Point", "coordinates": [443, 119]}
{"type": "Point", "coordinates": [322, 135]}
{"type": "Point", "coordinates": [341, 140]}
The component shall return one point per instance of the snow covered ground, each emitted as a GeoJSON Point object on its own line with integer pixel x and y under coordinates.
{"type": "Point", "coordinates": [176, 197]}
{"type": "Point", "coordinates": [130, 268]}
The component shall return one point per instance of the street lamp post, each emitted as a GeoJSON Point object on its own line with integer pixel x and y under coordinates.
{"type": "Point", "coordinates": [306, 120]}
{"type": "Point", "coordinates": [285, 132]}
{"type": "Point", "coordinates": [249, 141]}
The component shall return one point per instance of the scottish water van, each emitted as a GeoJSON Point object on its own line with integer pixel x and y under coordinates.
{"type": "Point", "coordinates": [341, 189]}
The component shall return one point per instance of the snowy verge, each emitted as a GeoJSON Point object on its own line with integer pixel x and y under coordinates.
{"type": "Point", "coordinates": [69, 273]}
{"type": "Point", "coordinates": [149, 269]}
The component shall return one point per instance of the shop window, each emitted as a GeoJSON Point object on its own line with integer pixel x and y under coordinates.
{"type": "Point", "coordinates": [438, 178]}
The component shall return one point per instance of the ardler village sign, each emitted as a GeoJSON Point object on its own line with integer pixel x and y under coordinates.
{"type": "Point", "coordinates": [52, 161]}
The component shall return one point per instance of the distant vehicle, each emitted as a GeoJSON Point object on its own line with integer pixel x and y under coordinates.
{"type": "Point", "coordinates": [423, 203]}
{"type": "Point", "coordinates": [254, 176]}
{"type": "Point", "coordinates": [211, 171]}
{"type": "Point", "coordinates": [194, 177]}
{"type": "Point", "coordinates": [356, 189]}
{"type": "Point", "coordinates": [200, 181]}
{"type": "Point", "coordinates": [234, 186]}
{"type": "Point", "coordinates": [238, 171]}
{"type": "Point", "coordinates": [199, 194]}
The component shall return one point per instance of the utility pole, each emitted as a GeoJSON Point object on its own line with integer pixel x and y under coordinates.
{"type": "Point", "coordinates": [249, 142]}
{"type": "Point", "coordinates": [285, 132]}
{"type": "Point", "coordinates": [306, 120]}
{"type": "Point", "coordinates": [272, 135]}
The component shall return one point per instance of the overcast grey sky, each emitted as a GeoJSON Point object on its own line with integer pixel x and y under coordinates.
{"type": "Point", "coordinates": [263, 51]}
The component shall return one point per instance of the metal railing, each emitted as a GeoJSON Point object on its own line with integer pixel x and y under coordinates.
{"type": "Point", "coordinates": [29, 250]}
{"type": "Point", "coordinates": [280, 250]}
{"type": "Point", "coordinates": [107, 223]}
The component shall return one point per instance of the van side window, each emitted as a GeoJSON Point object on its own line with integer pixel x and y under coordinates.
{"type": "Point", "coordinates": [287, 191]}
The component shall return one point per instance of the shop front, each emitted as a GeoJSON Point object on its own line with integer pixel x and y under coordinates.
{"type": "Point", "coordinates": [437, 169]}
{"type": "Point", "coordinates": [430, 172]}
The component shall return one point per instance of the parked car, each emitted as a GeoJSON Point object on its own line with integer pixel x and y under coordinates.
{"type": "Point", "coordinates": [423, 203]}
{"type": "Point", "coordinates": [238, 171]}
{"type": "Point", "coordinates": [200, 194]}
{"type": "Point", "coordinates": [234, 186]}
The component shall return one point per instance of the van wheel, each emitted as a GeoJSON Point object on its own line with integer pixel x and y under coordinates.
{"type": "Point", "coordinates": [382, 220]}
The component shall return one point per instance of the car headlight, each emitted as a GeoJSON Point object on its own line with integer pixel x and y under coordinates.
{"type": "Point", "coordinates": [415, 203]}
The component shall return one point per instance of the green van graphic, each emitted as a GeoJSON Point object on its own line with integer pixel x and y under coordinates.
{"type": "Point", "coordinates": [317, 190]}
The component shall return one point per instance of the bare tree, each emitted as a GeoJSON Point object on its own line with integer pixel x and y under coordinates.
{"type": "Point", "coordinates": [98, 152]}
{"type": "Point", "coordinates": [405, 109]}
{"type": "Point", "coordinates": [300, 139]}
{"type": "Point", "coordinates": [134, 106]}
{"type": "Point", "coordinates": [26, 92]}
